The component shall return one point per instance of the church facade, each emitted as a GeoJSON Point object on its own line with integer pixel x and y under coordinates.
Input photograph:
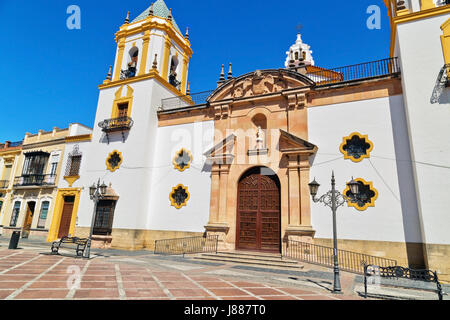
{"type": "Point", "coordinates": [236, 161]}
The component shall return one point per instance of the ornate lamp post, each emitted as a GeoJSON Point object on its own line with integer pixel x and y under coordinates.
{"type": "Point", "coordinates": [333, 199]}
{"type": "Point", "coordinates": [96, 193]}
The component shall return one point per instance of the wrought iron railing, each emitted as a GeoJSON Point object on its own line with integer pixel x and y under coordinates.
{"type": "Point", "coordinates": [321, 255]}
{"type": "Point", "coordinates": [368, 70]}
{"type": "Point", "coordinates": [187, 245]}
{"type": "Point", "coordinates": [185, 101]}
{"type": "Point", "coordinates": [4, 184]}
{"type": "Point", "coordinates": [35, 180]}
{"type": "Point", "coordinates": [121, 123]}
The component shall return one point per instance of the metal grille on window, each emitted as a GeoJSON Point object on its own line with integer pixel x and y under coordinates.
{"type": "Point", "coordinates": [43, 214]}
{"type": "Point", "coordinates": [104, 217]}
{"type": "Point", "coordinates": [182, 160]}
{"type": "Point", "coordinates": [179, 196]}
{"type": "Point", "coordinates": [73, 162]}
{"type": "Point", "coordinates": [366, 196]}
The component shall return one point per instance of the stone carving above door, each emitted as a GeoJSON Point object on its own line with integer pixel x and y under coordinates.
{"type": "Point", "coordinates": [260, 82]}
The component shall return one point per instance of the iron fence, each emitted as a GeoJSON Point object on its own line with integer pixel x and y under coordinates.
{"type": "Point", "coordinates": [187, 245]}
{"type": "Point", "coordinates": [321, 255]}
{"type": "Point", "coordinates": [35, 180]}
{"type": "Point", "coordinates": [367, 70]}
{"type": "Point", "coordinates": [121, 123]}
{"type": "Point", "coordinates": [185, 101]}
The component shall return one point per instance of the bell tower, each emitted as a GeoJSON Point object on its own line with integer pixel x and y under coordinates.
{"type": "Point", "coordinates": [151, 64]}
{"type": "Point", "coordinates": [299, 54]}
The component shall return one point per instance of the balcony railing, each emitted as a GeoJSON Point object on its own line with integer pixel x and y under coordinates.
{"type": "Point", "coordinates": [362, 71]}
{"type": "Point", "coordinates": [121, 124]}
{"type": "Point", "coordinates": [4, 184]}
{"type": "Point", "coordinates": [185, 101]}
{"type": "Point", "coordinates": [357, 72]}
{"type": "Point", "coordinates": [35, 180]}
{"type": "Point", "coordinates": [116, 124]}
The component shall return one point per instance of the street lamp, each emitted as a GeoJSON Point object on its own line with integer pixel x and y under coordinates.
{"type": "Point", "coordinates": [333, 199]}
{"type": "Point", "coordinates": [96, 193]}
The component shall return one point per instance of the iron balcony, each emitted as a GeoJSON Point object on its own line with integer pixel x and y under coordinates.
{"type": "Point", "coordinates": [35, 180]}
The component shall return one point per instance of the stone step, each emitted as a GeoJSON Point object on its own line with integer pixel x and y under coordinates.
{"type": "Point", "coordinates": [246, 260]}
{"type": "Point", "coordinates": [251, 256]}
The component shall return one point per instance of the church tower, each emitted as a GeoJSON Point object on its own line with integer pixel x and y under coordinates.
{"type": "Point", "coordinates": [151, 64]}
{"type": "Point", "coordinates": [299, 54]}
{"type": "Point", "coordinates": [420, 39]}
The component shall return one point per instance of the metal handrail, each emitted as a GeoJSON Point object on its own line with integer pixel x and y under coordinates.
{"type": "Point", "coordinates": [361, 71]}
{"type": "Point", "coordinates": [35, 180]}
{"type": "Point", "coordinates": [121, 123]}
{"type": "Point", "coordinates": [187, 245]}
{"type": "Point", "coordinates": [322, 255]}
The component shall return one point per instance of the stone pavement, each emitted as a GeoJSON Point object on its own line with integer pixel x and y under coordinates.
{"type": "Point", "coordinates": [31, 272]}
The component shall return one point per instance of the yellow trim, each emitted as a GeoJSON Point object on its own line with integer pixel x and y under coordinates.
{"type": "Point", "coordinates": [120, 100]}
{"type": "Point", "coordinates": [108, 165]}
{"type": "Point", "coordinates": [176, 164]}
{"type": "Point", "coordinates": [184, 74]}
{"type": "Point", "coordinates": [168, 28]}
{"type": "Point", "coordinates": [71, 180]}
{"type": "Point", "coordinates": [153, 74]}
{"type": "Point", "coordinates": [118, 65]}
{"type": "Point", "coordinates": [165, 68]}
{"type": "Point", "coordinates": [172, 201]}
{"type": "Point", "coordinates": [445, 40]}
{"type": "Point", "coordinates": [57, 212]}
{"type": "Point", "coordinates": [81, 137]}
{"type": "Point", "coordinates": [427, 4]}
{"type": "Point", "coordinates": [361, 136]}
{"type": "Point", "coordinates": [423, 14]}
{"type": "Point", "coordinates": [372, 200]}
{"type": "Point", "coordinates": [144, 55]}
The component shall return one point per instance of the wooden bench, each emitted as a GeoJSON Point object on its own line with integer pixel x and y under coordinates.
{"type": "Point", "coordinates": [78, 244]}
{"type": "Point", "coordinates": [398, 272]}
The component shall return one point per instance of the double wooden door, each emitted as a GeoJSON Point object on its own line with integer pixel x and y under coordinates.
{"type": "Point", "coordinates": [258, 213]}
{"type": "Point", "coordinates": [28, 219]}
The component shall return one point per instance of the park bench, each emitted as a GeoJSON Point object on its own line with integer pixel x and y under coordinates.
{"type": "Point", "coordinates": [78, 244]}
{"type": "Point", "coordinates": [398, 272]}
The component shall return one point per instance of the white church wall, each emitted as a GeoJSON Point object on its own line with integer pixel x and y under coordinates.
{"type": "Point", "coordinates": [394, 216]}
{"type": "Point", "coordinates": [195, 137]}
{"type": "Point", "coordinates": [421, 59]}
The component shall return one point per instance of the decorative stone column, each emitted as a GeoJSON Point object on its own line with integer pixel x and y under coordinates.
{"type": "Point", "coordinates": [297, 151]}
{"type": "Point", "coordinates": [145, 42]}
{"type": "Point", "coordinates": [218, 224]}
{"type": "Point", "coordinates": [299, 228]}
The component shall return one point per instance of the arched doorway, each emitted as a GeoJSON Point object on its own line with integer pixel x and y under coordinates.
{"type": "Point", "coordinates": [258, 224]}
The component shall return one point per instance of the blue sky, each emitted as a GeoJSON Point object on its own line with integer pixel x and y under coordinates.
{"type": "Point", "coordinates": [50, 74]}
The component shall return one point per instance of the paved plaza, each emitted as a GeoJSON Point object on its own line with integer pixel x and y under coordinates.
{"type": "Point", "coordinates": [31, 272]}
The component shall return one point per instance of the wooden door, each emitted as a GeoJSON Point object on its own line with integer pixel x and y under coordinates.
{"type": "Point", "coordinates": [258, 217]}
{"type": "Point", "coordinates": [66, 216]}
{"type": "Point", "coordinates": [28, 219]}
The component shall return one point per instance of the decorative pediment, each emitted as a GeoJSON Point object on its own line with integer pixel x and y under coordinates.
{"type": "Point", "coordinates": [223, 151]}
{"type": "Point", "coordinates": [291, 144]}
{"type": "Point", "coordinates": [260, 82]}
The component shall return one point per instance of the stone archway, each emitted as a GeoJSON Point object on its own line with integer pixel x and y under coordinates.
{"type": "Point", "coordinates": [258, 221]}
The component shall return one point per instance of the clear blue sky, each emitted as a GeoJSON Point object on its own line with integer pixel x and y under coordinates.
{"type": "Point", "coordinates": [50, 74]}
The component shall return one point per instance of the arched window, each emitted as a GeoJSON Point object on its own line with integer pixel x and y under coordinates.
{"type": "Point", "coordinates": [131, 65]}
{"type": "Point", "coordinates": [172, 73]}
